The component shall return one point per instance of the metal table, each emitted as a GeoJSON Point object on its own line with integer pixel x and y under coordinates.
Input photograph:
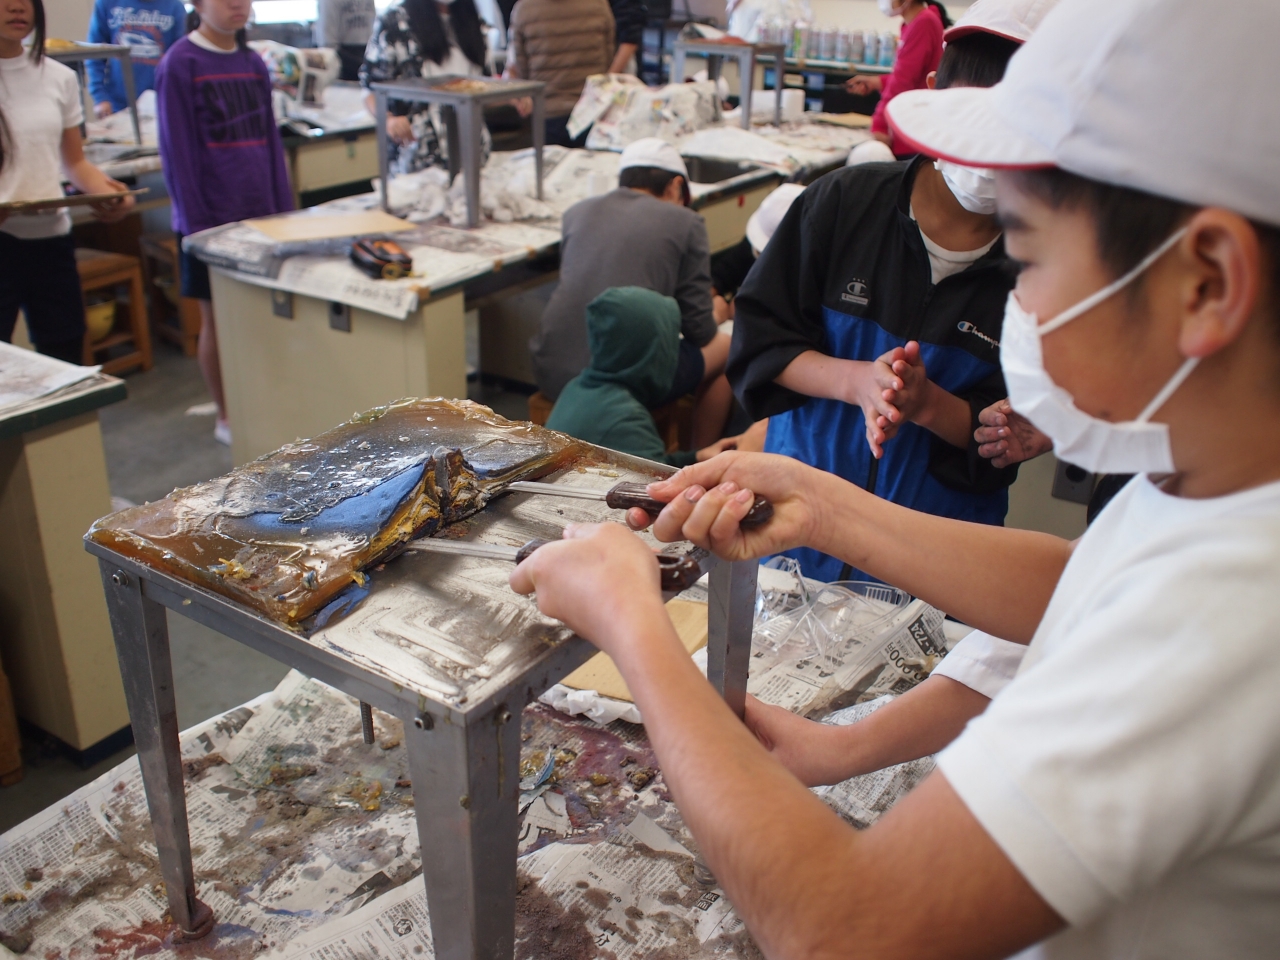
{"type": "Point", "coordinates": [746, 54]}
{"type": "Point", "coordinates": [104, 51]}
{"type": "Point", "coordinates": [463, 112]}
{"type": "Point", "coordinates": [443, 644]}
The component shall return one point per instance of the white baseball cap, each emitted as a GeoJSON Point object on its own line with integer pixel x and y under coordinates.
{"type": "Point", "coordinates": [652, 152]}
{"type": "Point", "coordinates": [1110, 90]}
{"type": "Point", "coordinates": [1011, 19]}
{"type": "Point", "coordinates": [763, 223]}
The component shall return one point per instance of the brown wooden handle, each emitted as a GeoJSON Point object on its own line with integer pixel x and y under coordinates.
{"type": "Point", "coordinates": [524, 552]}
{"type": "Point", "coordinates": [624, 496]}
{"type": "Point", "coordinates": [678, 573]}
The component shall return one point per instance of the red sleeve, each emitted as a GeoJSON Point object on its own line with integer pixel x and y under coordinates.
{"type": "Point", "coordinates": [918, 56]}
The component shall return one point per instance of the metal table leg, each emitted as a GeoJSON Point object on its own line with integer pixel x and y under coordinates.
{"type": "Point", "coordinates": [539, 134]}
{"type": "Point", "coordinates": [731, 600]}
{"type": "Point", "coordinates": [466, 787]}
{"type": "Point", "coordinates": [470, 120]}
{"type": "Point", "coordinates": [384, 151]}
{"type": "Point", "coordinates": [142, 646]}
{"type": "Point", "coordinates": [131, 91]}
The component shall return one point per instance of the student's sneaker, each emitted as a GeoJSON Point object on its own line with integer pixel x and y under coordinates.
{"type": "Point", "coordinates": [222, 432]}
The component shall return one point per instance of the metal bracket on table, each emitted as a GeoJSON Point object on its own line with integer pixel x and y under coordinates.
{"type": "Point", "coordinates": [340, 316]}
{"type": "Point", "coordinates": [746, 54]}
{"type": "Point", "coordinates": [282, 304]}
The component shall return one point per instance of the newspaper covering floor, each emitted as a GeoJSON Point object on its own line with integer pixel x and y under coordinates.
{"type": "Point", "coordinates": [305, 842]}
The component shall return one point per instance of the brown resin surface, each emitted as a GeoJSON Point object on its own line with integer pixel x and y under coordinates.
{"type": "Point", "coordinates": [287, 532]}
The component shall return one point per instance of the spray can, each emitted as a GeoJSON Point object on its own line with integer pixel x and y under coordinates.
{"type": "Point", "coordinates": [857, 45]}
{"type": "Point", "coordinates": [842, 46]}
{"type": "Point", "coordinates": [871, 47]}
{"type": "Point", "coordinates": [888, 49]}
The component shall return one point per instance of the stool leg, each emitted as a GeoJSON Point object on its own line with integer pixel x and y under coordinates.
{"type": "Point", "coordinates": [466, 787]}
{"type": "Point", "coordinates": [138, 319]}
{"type": "Point", "coordinates": [142, 647]}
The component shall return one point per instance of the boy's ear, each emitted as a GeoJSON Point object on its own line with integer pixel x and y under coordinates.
{"type": "Point", "coordinates": [1223, 268]}
{"type": "Point", "coordinates": [931, 79]}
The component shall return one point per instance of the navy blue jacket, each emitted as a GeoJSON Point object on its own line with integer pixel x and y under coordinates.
{"type": "Point", "coordinates": [847, 274]}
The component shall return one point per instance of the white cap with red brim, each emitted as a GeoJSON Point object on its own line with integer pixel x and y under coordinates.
{"type": "Point", "coordinates": [1011, 19]}
{"type": "Point", "coordinates": [1110, 90]}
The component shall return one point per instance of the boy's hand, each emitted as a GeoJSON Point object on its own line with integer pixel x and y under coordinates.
{"type": "Point", "coordinates": [907, 364]}
{"type": "Point", "coordinates": [1006, 438]}
{"type": "Point", "coordinates": [599, 576]}
{"type": "Point", "coordinates": [103, 109]}
{"type": "Point", "coordinates": [750, 440]}
{"type": "Point", "coordinates": [872, 387]}
{"type": "Point", "coordinates": [809, 750]}
{"type": "Point", "coordinates": [706, 501]}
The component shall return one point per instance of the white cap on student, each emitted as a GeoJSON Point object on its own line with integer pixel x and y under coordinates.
{"type": "Point", "coordinates": [652, 152]}
{"type": "Point", "coordinates": [1011, 19]}
{"type": "Point", "coordinates": [1110, 91]}
{"type": "Point", "coordinates": [763, 223]}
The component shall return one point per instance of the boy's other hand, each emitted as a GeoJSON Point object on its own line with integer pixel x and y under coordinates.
{"type": "Point", "coordinates": [1006, 437]}
{"type": "Point", "coordinates": [802, 746]}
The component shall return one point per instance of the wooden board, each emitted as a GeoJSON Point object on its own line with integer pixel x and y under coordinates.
{"type": "Point", "coordinates": [329, 226]}
{"type": "Point", "coordinates": [857, 121]}
{"type": "Point", "coordinates": [75, 200]}
{"type": "Point", "coordinates": [600, 674]}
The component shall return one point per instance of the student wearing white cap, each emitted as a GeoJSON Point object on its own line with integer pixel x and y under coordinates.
{"type": "Point", "coordinates": [642, 234]}
{"type": "Point", "coordinates": [1120, 798]}
{"type": "Point", "coordinates": [876, 266]}
{"type": "Point", "coordinates": [730, 267]}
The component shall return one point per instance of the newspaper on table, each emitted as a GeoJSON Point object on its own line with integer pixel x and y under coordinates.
{"type": "Point", "coordinates": [81, 879]}
{"type": "Point", "coordinates": [862, 800]}
{"type": "Point", "coordinates": [621, 109]}
{"type": "Point", "coordinates": [26, 376]}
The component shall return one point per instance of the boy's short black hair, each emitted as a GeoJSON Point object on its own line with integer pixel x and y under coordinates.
{"type": "Point", "coordinates": [1130, 223]}
{"type": "Point", "coordinates": [977, 59]}
{"type": "Point", "coordinates": [652, 180]}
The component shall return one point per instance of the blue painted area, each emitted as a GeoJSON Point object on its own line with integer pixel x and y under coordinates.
{"type": "Point", "coordinates": [340, 605]}
{"type": "Point", "coordinates": [355, 516]}
{"type": "Point", "coordinates": [831, 435]}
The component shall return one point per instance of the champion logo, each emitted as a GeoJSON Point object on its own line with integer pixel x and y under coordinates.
{"type": "Point", "coordinates": [964, 326]}
{"type": "Point", "coordinates": [856, 291]}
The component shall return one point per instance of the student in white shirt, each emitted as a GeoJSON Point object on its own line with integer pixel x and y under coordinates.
{"type": "Point", "coordinates": [40, 117]}
{"type": "Point", "coordinates": [1120, 798]}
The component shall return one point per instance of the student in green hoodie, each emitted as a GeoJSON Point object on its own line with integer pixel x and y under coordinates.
{"type": "Point", "coordinates": [634, 336]}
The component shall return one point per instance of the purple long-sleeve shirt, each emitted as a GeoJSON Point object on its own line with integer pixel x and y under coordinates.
{"type": "Point", "coordinates": [223, 158]}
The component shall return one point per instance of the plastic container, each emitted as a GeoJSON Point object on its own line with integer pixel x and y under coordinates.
{"type": "Point", "coordinates": [871, 47]}
{"type": "Point", "coordinates": [888, 48]}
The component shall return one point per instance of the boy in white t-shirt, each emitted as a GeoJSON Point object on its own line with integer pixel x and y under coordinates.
{"type": "Point", "coordinates": [1120, 797]}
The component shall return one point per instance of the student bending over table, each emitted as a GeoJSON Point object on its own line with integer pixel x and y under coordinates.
{"type": "Point", "coordinates": [1120, 798]}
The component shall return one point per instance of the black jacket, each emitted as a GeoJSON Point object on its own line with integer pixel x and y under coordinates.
{"type": "Point", "coordinates": [847, 274]}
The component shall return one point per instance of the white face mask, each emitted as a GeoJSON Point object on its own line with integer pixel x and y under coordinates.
{"type": "Point", "coordinates": [1134, 446]}
{"type": "Point", "coordinates": [891, 9]}
{"type": "Point", "coordinates": [974, 187]}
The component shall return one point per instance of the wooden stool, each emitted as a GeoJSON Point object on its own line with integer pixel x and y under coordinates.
{"type": "Point", "coordinates": [674, 421]}
{"type": "Point", "coordinates": [540, 407]}
{"type": "Point", "coordinates": [175, 318]}
{"type": "Point", "coordinates": [106, 271]}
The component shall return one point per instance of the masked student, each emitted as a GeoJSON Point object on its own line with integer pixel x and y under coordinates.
{"type": "Point", "coordinates": [1120, 797]}
{"type": "Point", "coordinates": [879, 265]}
{"type": "Point", "coordinates": [223, 157]}
{"type": "Point", "coordinates": [40, 143]}
{"type": "Point", "coordinates": [918, 55]}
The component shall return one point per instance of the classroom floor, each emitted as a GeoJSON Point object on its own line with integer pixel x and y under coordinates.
{"type": "Point", "coordinates": [153, 445]}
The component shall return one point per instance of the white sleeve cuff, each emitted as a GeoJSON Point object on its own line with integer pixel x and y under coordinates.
{"type": "Point", "coordinates": [982, 662]}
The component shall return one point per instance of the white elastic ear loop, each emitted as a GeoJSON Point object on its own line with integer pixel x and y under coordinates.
{"type": "Point", "coordinates": [1168, 389]}
{"type": "Point", "coordinates": [1111, 289]}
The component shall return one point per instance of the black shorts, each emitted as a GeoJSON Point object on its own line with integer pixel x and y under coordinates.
{"type": "Point", "coordinates": [195, 275]}
{"type": "Point", "coordinates": [39, 277]}
{"type": "Point", "coordinates": [689, 372]}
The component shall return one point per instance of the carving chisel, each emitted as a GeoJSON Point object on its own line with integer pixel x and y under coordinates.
{"type": "Point", "coordinates": [678, 573]}
{"type": "Point", "coordinates": [624, 496]}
